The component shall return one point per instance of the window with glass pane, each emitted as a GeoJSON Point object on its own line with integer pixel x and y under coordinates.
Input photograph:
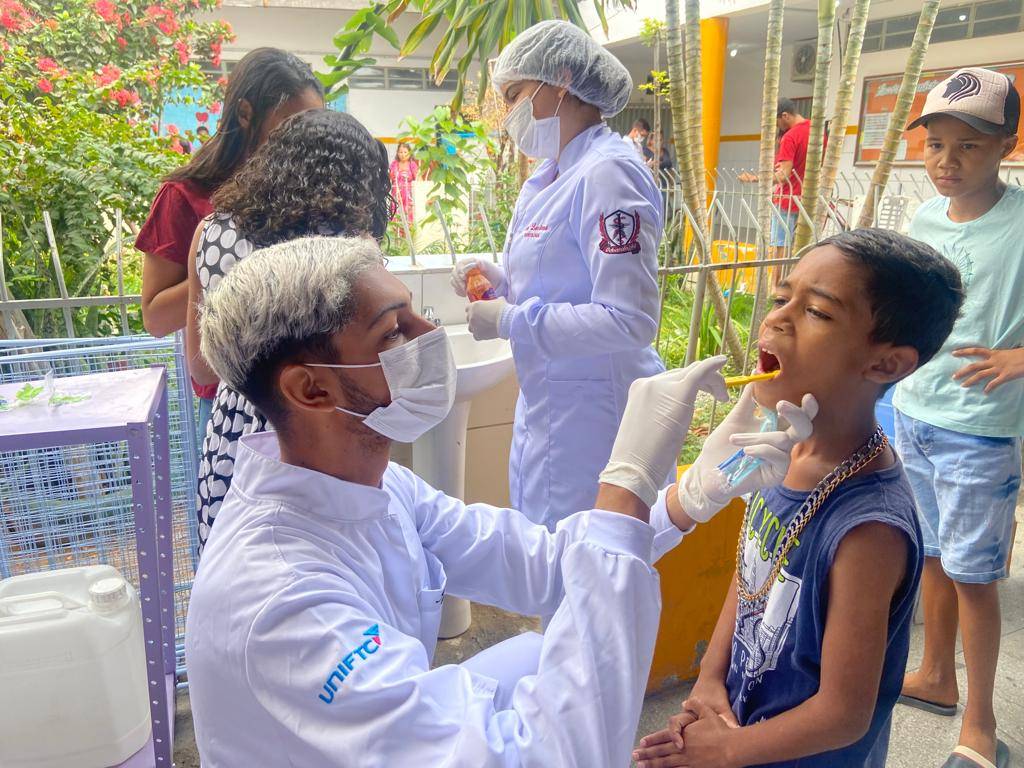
{"type": "Point", "coordinates": [901, 24]}
{"type": "Point", "coordinates": [450, 82]}
{"type": "Point", "coordinates": [871, 44]}
{"type": "Point", "coordinates": [902, 40]}
{"type": "Point", "coordinates": [403, 79]}
{"type": "Point", "coordinates": [997, 9]}
{"type": "Point", "coordinates": [995, 27]}
{"type": "Point", "coordinates": [960, 15]}
{"type": "Point", "coordinates": [952, 32]}
{"type": "Point", "coordinates": [367, 77]}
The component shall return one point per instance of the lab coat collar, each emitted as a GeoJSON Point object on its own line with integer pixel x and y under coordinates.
{"type": "Point", "coordinates": [578, 147]}
{"type": "Point", "coordinates": [261, 475]}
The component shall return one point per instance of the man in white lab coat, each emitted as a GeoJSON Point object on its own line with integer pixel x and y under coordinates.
{"type": "Point", "coordinates": [313, 618]}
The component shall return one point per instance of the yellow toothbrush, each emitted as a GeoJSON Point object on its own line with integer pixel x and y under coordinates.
{"type": "Point", "coordinates": [742, 381]}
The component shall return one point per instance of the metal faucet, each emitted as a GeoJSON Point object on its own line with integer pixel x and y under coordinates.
{"type": "Point", "coordinates": [431, 316]}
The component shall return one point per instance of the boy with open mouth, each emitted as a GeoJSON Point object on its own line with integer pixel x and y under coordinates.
{"type": "Point", "coordinates": [808, 656]}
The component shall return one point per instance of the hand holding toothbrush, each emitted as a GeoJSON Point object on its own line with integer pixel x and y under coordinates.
{"type": "Point", "coordinates": [705, 488]}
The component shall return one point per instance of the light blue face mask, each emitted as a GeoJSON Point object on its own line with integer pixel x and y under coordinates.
{"type": "Point", "coordinates": [421, 376]}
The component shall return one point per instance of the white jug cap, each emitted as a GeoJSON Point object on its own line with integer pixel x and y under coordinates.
{"type": "Point", "coordinates": [108, 593]}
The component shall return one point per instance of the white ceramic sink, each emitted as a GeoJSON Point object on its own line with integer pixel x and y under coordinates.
{"type": "Point", "coordinates": [480, 364]}
{"type": "Point", "coordinates": [439, 457]}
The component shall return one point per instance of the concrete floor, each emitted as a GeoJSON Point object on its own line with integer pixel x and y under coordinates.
{"type": "Point", "coordinates": [919, 740]}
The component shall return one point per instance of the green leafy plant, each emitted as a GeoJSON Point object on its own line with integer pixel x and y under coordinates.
{"type": "Point", "coordinates": [471, 31]}
{"type": "Point", "coordinates": [82, 85]}
{"type": "Point", "coordinates": [452, 152]}
{"type": "Point", "coordinates": [657, 84]}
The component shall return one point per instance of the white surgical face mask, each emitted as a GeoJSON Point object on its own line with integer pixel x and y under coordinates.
{"type": "Point", "coordinates": [535, 138]}
{"type": "Point", "coordinates": [421, 377]}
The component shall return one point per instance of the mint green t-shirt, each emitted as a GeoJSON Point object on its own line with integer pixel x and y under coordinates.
{"type": "Point", "coordinates": [989, 252]}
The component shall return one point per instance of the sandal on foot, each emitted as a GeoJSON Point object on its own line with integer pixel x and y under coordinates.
{"type": "Point", "coordinates": [946, 710]}
{"type": "Point", "coordinates": [965, 757]}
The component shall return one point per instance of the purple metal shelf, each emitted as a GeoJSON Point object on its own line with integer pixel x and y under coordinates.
{"type": "Point", "coordinates": [129, 406]}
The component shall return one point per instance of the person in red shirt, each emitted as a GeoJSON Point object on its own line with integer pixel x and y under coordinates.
{"type": "Point", "coordinates": [790, 164]}
{"type": "Point", "coordinates": [267, 86]}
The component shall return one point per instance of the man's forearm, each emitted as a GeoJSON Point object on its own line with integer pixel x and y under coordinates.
{"type": "Point", "coordinates": [813, 727]}
{"type": "Point", "coordinates": [612, 498]}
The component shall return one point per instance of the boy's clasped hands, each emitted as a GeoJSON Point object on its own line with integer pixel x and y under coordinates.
{"type": "Point", "coordinates": [696, 737]}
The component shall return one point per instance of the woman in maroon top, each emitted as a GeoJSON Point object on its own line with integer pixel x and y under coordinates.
{"type": "Point", "coordinates": [267, 86]}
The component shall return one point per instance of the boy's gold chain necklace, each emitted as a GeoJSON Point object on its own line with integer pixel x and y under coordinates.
{"type": "Point", "coordinates": [849, 467]}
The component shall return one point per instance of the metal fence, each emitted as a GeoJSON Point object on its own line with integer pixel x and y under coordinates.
{"type": "Point", "coordinates": [72, 506]}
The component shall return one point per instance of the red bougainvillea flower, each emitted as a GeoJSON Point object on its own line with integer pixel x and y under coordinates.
{"type": "Point", "coordinates": [122, 43]}
{"type": "Point", "coordinates": [222, 82]}
{"type": "Point", "coordinates": [105, 10]}
{"type": "Point", "coordinates": [51, 24]}
{"type": "Point", "coordinates": [182, 49]}
{"type": "Point", "coordinates": [14, 16]}
{"type": "Point", "coordinates": [172, 129]}
{"type": "Point", "coordinates": [125, 98]}
{"type": "Point", "coordinates": [46, 64]}
{"type": "Point", "coordinates": [44, 85]}
{"type": "Point", "coordinates": [215, 108]}
{"type": "Point", "coordinates": [202, 117]}
{"type": "Point", "coordinates": [108, 75]}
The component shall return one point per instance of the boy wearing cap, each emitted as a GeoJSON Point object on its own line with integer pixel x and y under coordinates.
{"type": "Point", "coordinates": [959, 419]}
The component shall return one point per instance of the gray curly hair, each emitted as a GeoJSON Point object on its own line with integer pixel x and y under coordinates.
{"type": "Point", "coordinates": [278, 303]}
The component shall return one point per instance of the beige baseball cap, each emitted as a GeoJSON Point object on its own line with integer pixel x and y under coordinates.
{"type": "Point", "coordinates": [985, 100]}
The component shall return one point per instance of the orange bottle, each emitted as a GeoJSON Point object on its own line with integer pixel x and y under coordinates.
{"type": "Point", "coordinates": [478, 287]}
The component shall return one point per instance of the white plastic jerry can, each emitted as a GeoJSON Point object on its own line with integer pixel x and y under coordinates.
{"type": "Point", "coordinates": [73, 688]}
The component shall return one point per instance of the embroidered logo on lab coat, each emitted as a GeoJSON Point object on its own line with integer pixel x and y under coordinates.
{"type": "Point", "coordinates": [620, 232]}
{"type": "Point", "coordinates": [348, 663]}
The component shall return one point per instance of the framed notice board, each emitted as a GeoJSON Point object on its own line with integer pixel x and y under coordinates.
{"type": "Point", "coordinates": [879, 99]}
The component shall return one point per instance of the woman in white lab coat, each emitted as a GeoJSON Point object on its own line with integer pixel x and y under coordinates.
{"type": "Point", "coordinates": [578, 294]}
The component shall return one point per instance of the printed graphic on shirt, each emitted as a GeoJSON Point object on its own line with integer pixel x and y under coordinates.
{"type": "Point", "coordinates": [620, 232]}
{"type": "Point", "coordinates": [536, 231]}
{"type": "Point", "coordinates": [762, 628]}
{"type": "Point", "coordinates": [348, 663]}
{"type": "Point", "coordinates": [962, 260]}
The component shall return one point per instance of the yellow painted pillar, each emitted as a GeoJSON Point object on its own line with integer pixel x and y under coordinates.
{"type": "Point", "coordinates": [714, 41]}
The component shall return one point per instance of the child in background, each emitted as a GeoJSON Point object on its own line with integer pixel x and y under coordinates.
{"type": "Point", "coordinates": [960, 418]}
{"type": "Point", "coordinates": [808, 656]}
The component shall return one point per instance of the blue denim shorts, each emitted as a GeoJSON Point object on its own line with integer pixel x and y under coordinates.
{"type": "Point", "coordinates": [966, 492]}
{"type": "Point", "coordinates": [782, 235]}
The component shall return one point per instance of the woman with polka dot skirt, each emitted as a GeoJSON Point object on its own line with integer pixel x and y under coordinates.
{"type": "Point", "coordinates": [320, 172]}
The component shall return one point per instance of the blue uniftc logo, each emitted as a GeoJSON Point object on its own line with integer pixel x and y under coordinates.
{"type": "Point", "coordinates": [344, 669]}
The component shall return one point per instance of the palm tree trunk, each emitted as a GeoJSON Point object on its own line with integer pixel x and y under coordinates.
{"type": "Point", "coordinates": [816, 142]}
{"type": "Point", "coordinates": [898, 118]}
{"type": "Point", "coordinates": [769, 129]}
{"type": "Point", "coordinates": [694, 97]}
{"type": "Point", "coordinates": [684, 98]}
{"type": "Point", "coordinates": [677, 100]}
{"type": "Point", "coordinates": [657, 112]}
{"type": "Point", "coordinates": [844, 98]}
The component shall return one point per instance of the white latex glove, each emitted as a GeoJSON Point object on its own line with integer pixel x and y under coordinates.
{"type": "Point", "coordinates": [491, 271]}
{"type": "Point", "coordinates": [654, 426]}
{"type": "Point", "coordinates": [484, 318]}
{"type": "Point", "coordinates": [704, 489]}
